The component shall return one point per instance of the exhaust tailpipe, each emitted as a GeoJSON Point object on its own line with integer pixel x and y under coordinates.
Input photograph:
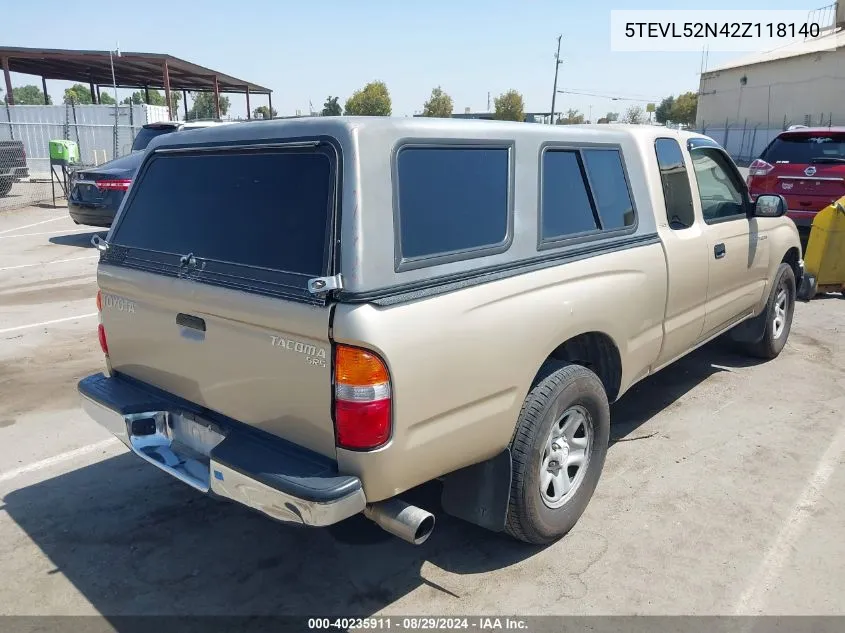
{"type": "Point", "coordinates": [408, 522]}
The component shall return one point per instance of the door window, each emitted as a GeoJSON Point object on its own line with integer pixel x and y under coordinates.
{"type": "Point", "coordinates": [722, 195]}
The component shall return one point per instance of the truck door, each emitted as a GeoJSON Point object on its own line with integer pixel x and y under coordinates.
{"type": "Point", "coordinates": [738, 250]}
{"type": "Point", "coordinates": [686, 253]}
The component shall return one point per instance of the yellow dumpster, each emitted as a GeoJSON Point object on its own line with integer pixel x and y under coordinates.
{"type": "Point", "coordinates": [824, 261]}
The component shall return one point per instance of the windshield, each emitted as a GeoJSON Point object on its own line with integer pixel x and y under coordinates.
{"type": "Point", "coordinates": [806, 148]}
{"type": "Point", "coordinates": [147, 134]}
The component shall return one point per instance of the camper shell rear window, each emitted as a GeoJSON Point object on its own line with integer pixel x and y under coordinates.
{"type": "Point", "coordinates": [257, 218]}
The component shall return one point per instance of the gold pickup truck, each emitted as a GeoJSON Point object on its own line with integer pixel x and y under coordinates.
{"type": "Point", "coordinates": [312, 317]}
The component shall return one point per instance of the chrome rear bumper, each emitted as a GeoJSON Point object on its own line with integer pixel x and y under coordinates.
{"type": "Point", "coordinates": [274, 477]}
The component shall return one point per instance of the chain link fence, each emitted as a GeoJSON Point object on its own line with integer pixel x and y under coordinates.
{"type": "Point", "coordinates": [745, 140]}
{"type": "Point", "coordinates": [102, 133]}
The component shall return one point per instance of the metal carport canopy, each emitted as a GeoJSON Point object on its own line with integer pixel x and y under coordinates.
{"type": "Point", "coordinates": [131, 70]}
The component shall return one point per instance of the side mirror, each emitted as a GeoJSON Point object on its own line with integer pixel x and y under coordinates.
{"type": "Point", "coordinates": [770, 206]}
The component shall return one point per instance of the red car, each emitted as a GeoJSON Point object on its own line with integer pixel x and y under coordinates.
{"type": "Point", "coordinates": [806, 166]}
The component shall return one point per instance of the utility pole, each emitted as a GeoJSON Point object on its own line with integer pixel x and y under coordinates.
{"type": "Point", "coordinates": [488, 101]}
{"type": "Point", "coordinates": [554, 91]}
{"type": "Point", "coordinates": [114, 85]}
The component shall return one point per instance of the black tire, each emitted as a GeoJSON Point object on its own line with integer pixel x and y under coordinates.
{"type": "Point", "coordinates": [561, 388]}
{"type": "Point", "coordinates": [770, 345]}
{"type": "Point", "coordinates": [5, 186]}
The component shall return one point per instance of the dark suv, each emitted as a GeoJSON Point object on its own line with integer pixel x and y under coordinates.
{"type": "Point", "coordinates": [807, 167]}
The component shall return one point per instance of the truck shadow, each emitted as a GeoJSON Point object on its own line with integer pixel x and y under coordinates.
{"type": "Point", "coordinates": [81, 240]}
{"type": "Point", "coordinates": [658, 392]}
{"type": "Point", "coordinates": [133, 541]}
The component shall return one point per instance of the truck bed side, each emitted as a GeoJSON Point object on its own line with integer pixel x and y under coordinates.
{"type": "Point", "coordinates": [462, 362]}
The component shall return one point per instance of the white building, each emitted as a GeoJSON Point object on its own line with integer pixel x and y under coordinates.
{"type": "Point", "coordinates": [801, 83]}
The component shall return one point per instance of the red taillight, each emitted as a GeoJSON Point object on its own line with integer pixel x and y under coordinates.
{"type": "Point", "coordinates": [362, 424]}
{"type": "Point", "coordinates": [101, 334]}
{"type": "Point", "coordinates": [759, 168]}
{"type": "Point", "coordinates": [362, 399]}
{"type": "Point", "coordinates": [113, 185]}
{"type": "Point", "coordinates": [101, 331]}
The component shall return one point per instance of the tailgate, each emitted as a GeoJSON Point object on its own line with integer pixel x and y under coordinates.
{"type": "Point", "coordinates": [259, 360]}
{"type": "Point", "coordinates": [205, 284]}
{"type": "Point", "coordinates": [810, 187]}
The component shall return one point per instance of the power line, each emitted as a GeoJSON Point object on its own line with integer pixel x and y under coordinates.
{"type": "Point", "coordinates": [630, 94]}
{"type": "Point", "coordinates": [607, 96]}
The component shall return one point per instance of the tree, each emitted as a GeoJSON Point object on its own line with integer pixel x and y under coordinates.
{"type": "Point", "coordinates": [156, 98]}
{"type": "Point", "coordinates": [685, 108]}
{"type": "Point", "coordinates": [28, 95]}
{"type": "Point", "coordinates": [573, 117]}
{"type": "Point", "coordinates": [137, 98]}
{"type": "Point", "coordinates": [611, 117]}
{"type": "Point", "coordinates": [331, 107]}
{"type": "Point", "coordinates": [203, 107]}
{"type": "Point", "coordinates": [264, 112]}
{"type": "Point", "coordinates": [663, 112]}
{"type": "Point", "coordinates": [106, 98]}
{"type": "Point", "coordinates": [78, 94]}
{"type": "Point", "coordinates": [439, 104]}
{"type": "Point", "coordinates": [634, 114]}
{"type": "Point", "coordinates": [509, 106]}
{"type": "Point", "coordinates": [372, 100]}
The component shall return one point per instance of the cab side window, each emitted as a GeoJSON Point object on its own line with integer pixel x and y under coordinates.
{"type": "Point", "coordinates": [676, 188]}
{"type": "Point", "coordinates": [722, 197]}
{"type": "Point", "coordinates": [583, 192]}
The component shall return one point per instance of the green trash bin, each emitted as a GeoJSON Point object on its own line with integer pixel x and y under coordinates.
{"type": "Point", "coordinates": [63, 152]}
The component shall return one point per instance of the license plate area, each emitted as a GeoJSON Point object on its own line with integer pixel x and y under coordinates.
{"type": "Point", "coordinates": [88, 192]}
{"type": "Point", "coordinates": [178, 443]}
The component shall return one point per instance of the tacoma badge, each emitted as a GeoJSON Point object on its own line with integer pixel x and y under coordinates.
{"type": "Point", "coordinates": [314, 355]}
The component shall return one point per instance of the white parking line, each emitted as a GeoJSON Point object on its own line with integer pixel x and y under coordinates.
{"type": "Point", "coordinates": [26, 226]}
{"type": "Point", "coordinates": [55, 261]}
{"type": "Point", "coordinates": [8, 237]}
{"type": "Point", "coordinates": [25, 327]}
{"type": "Point", "coordinates": [56, 459]}
{"type": "Point", "coordinates": [753, 599]}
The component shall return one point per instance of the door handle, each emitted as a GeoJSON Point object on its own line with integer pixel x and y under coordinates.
{"type": "Point", "coordinates": [189, 320]}
{"type": "Point", "coordinates": [719, 251]}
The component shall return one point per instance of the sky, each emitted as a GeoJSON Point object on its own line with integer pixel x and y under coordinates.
{"type": "Point", "coordinates": [305, 51]}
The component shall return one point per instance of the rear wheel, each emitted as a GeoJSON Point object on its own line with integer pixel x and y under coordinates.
{"type": "Point", "coordinates": [558, 453]}
{"type": "Point", "coordinates": [5, 186]}
{"type": "Point", "coordinates": [779, 311]}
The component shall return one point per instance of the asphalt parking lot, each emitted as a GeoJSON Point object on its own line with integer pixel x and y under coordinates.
{"type": "Point", "coordinates": [723, 492]}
